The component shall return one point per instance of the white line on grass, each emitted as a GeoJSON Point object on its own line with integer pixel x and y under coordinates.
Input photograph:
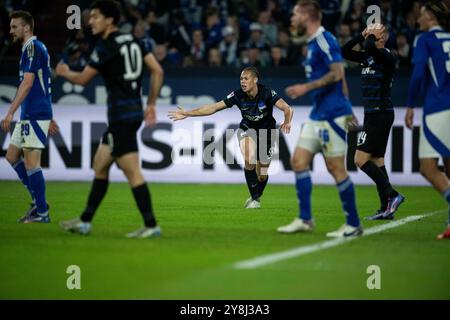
{"type": "Point", "coordinates": [300, 251]}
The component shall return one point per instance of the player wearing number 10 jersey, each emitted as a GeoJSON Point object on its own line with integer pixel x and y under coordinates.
{"type": "Point", "coordinates": [431, 73]}
{"type": "Point", "coordinates": [119, 58]}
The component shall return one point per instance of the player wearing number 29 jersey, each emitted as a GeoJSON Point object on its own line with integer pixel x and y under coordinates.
{"type": "Point", "coordinates": [119, 59]}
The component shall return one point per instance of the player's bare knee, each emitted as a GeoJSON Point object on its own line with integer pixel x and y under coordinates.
{"type": "Point", "coordinates": [427, 170]}
{"type": "Point", "coordinates": [101, 170]}
{"type": "Point", "coordinates": [262, 178]}
{"type": "Point", "coordinates": [134, 176]}
{"type": "Point", "coordinates": [250, 166]}
{"type": "Point", "coordinates": [11, 158]}
{"type": "Point", "coordinates": [359, 161]}
{"type": "Point", "coordinates": [298, 165]}
{"type": "Point", "coordinates": [361, 158]}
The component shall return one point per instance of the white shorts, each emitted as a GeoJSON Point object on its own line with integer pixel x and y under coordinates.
{"type": "Point", "coordinates": [328, 137]}
{"type": "Point", "coordinates": [30, 134]}
{"type": "Point", "coordinates": [435, 136]}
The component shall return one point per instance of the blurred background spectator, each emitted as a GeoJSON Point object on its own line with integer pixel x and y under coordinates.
{"type": "Point", "coordinates": [232, 33]}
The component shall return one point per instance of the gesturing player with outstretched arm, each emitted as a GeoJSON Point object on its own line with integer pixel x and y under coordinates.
{"type": "Point", "coordinates": [431, 58]}
{"type": "Point", "coordinates": [256, 103]}
{"type": "Point", "coordinates": [119, 58]}
{"type": "Point", "coordinates": [30, 133]}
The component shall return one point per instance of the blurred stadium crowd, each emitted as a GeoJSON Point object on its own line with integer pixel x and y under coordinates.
{"type": "Point", "coordinates": [235, 33]}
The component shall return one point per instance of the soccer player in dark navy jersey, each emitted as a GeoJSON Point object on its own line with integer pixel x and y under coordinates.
{"type": "Point", "coordinates": [378, 66]}
{"type": "Point", "coordinates": [29, 137]}
{"type": "Point", "coordinates": [256, 102]}
{"type": "Point", "coordinates": [119, 58]}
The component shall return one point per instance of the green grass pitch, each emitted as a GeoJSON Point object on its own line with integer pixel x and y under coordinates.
{"type": "Point", "coordinates": [205, 231]}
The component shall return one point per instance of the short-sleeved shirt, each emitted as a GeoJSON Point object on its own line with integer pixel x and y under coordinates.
{"type": "Point", "coordinates": [120, 60]}
{"type": "Point", "coordinates": [329, 102]}
{"type": "Point", "coordinates": [432, 49]}
{"type": "Point", "coordinates": [256, 112]}
{"type": "Point", "coordinates": [35, 59]}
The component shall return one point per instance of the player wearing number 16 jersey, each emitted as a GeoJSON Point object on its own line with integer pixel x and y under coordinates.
{"type": "Point", "coordinates": [431, 73]}
{"type": "Point", "coordinates": [119, 59]}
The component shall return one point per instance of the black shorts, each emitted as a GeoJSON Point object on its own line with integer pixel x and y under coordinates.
{"type": "Point", "coordinates": [121, 137]}
{"type": "Point", "coordinates": [376, 129]}
{"type": "Point", "coordinates": [265, 141]}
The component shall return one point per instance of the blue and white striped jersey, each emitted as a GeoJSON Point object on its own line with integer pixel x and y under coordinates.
{"type": "Point", "coordinates": [329, 102]}
{"type": "Point", "coordinates": [35, 59]}
{"type": "Point", "coordinates": [431, 75]}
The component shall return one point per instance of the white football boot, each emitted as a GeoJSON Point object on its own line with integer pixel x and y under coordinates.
{"type": "Point", "coordinates": [298, 225]}
{"type": "Point", "coordinates": [145, 232]}
{"type": "Point", "coordinates": [76, 226]}
{"type": "Point", "coordinates": [346, 231]}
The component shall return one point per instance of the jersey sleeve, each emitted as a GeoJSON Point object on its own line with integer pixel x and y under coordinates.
{"type": "Point", "coordinates": [420, 51]}
{"type": "Point", "coordinates": [99, 57]}
{"type": "Point", "coordinates": [146, 46]}
{"type": "Point", "coordinates": [34, 56]}
{"type": "Point", "coordinates": [329, 49]}
{"type": "Point", "coordinates": [420, 59]}
{"type": "Point", "coordinates": [231, 99]}
{"type": "Point", "coordinates": [274, 97]}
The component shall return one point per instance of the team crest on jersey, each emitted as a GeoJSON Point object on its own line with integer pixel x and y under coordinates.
{"type": "Point", "coordinates": [230, 95]}
{"type": "Point", "coordinates": [273, 93]}
{"type": "Point", "coordinates": [94, 56]}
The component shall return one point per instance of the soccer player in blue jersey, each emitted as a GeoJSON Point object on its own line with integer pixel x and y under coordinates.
{"type": "Point", "coordinates": [29, 137]}
{"type": "Point", "coordinates": [431, 74]}
{"type": "Point", "coordinates": [326, 129]}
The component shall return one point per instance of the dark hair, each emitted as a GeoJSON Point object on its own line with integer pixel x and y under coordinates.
{"type": "Point", "coordinates": [26, 17]}
{"type": "Point", "coordinates": [441, 11]}
{"type": "Point", "coordinates": [252, 70]}
{"type": "Point", "coordinates": [108, 8]}
{"type": "Point", "coordinates": [313, 8]}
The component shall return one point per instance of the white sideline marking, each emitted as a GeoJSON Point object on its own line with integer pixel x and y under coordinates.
{"type": "Point", "coordinates": [300, 251]}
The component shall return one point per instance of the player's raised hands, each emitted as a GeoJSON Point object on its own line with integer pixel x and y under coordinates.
{"type": "Point", "coordinates": [6, 122]}
{"type": "Point", "coordinates": [177, 114]}
{"type": "Point", "coordinates": [409, 118]}
{"type": "Point", "coordinates": [297, 90]}
{"type": "Point", "coordinates": [150, 116]}
{"type": "Point", "coordinates": [376, 29]}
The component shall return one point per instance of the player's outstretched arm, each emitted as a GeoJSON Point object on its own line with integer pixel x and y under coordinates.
{"type": "Point", "coordinates": [82, 78]}
{"type": "Point", "coordinates": [335, 74]}
{"type": "Point", "coordinates": [205, 110]}
{"type": "Point", "coordinates": [22, 92]}
{"type": "Point", "coordinates": [157, 78]}
{"type": "Point", "coordinates": [288, 114]}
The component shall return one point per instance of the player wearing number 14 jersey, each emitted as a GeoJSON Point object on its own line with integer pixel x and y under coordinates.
{"type": "Point", "coordinates": [119, 59]}
{"type": "Point", "coordinates": [431, 73]}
